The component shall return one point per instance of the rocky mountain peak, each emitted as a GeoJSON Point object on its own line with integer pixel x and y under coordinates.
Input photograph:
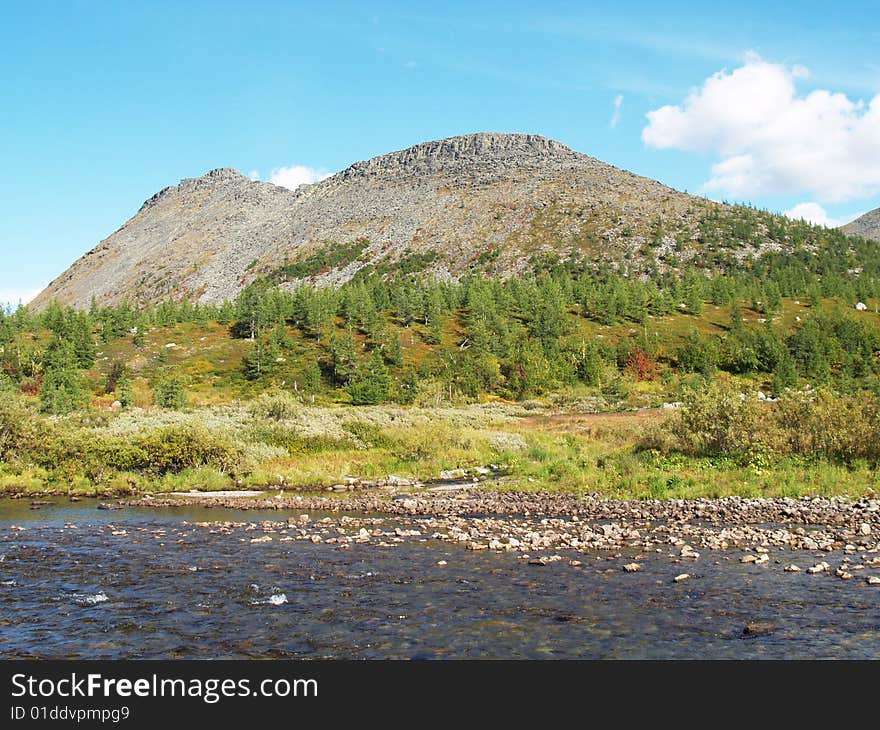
{"type": "Point", "coordinates": [470, 153]}
{"type": "Point", "coordinates": [867, 225]}
{"type": "Point", "coordinates": [220, 179]}
{"type": "Point", "coordinates": [220, 175]}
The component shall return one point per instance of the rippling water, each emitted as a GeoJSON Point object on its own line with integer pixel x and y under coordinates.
{"type": "Point", "coordinates": [160, 588]}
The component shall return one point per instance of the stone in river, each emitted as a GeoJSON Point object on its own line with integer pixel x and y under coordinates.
{"type": "Point", "coordinates": [758, 629]}
{"type": "Point", "coordinates": [681, 578]}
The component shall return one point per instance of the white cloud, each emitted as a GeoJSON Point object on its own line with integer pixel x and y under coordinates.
{"type": "Point", "coordinates": [770, 139]}
{"type": "Point", "coordinates": [254, 174]}
{"type": "Point", "coordinates": [817, 215]}
{"type": "Point", "coordinates": [12, 296]}
{"type": "Point", "coordinates": [812, 213]}
{"type": "Point", "coordinates": [295, 175]}
{"type": "Point", "coordinates": [615, 117]}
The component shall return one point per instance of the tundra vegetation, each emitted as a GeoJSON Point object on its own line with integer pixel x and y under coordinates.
{"type": "Point", "coordinates": [557, 380]}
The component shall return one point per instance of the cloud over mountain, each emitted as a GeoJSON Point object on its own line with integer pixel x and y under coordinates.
{"type": "Point", "coordinates": [295, 175]}
{"type": "Point", "coordinates": [769, 139]}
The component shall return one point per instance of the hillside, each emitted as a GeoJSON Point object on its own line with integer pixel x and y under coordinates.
{"type": "Point", "coordinates": [867, 226]}
{"type": "Point", "coordinates": [491, 202]}
{"type": "Point", "coordinates": [174, 397]}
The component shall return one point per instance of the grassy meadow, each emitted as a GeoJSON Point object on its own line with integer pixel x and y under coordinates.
{"type": "Point", "coordinates": [277, 443]}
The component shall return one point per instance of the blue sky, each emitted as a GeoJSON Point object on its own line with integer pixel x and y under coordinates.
{"type": "Point", "coordinates": [104, 103]}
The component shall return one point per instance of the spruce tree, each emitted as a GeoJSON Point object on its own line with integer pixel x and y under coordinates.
{"type": "Point", "coordinates": [61, 391]}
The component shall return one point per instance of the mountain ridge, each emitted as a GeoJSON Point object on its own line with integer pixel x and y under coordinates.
{"type": "Point", "coordinates": [488, 202]}
{"type": "Point", "coordinates": [867, 225]}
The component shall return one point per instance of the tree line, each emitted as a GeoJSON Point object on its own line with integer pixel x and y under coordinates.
{"type": "Point", "coordinates": [510, 337]}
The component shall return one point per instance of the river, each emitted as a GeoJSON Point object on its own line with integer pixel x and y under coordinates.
{"type": "Point", "coordinates": [77, 582]}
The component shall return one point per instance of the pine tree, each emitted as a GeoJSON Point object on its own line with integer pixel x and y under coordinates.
{"type": "Point", "coordinates": [344, 357]}
{"type": "Point", "coordinates": [588, 364]}
{"type": "Point", "coordinates": [785, 375]}
{"type": "Point", "coordinates": [372, 382]}
{"type": "Point", "coordinates": [262, 359]}
{"type": "Point", "coordinates": [694, 297]}
{"type": "Point", "coordinates": [736, 319]}
{"type": "Point", "coordinates": [170, 393]}
{"type": "Point", "coordinates": [697, 354]}
{"type": "Point", "coordinates": [393, 351]}
{"type": "Point", "coordinates": [61, 391]}
{"type": "Point", "coordinates": [125, 390]}
{"type": "Point", "coordinates": [408, 389]}
{"type": "Point", "coordinates": [311, 377]}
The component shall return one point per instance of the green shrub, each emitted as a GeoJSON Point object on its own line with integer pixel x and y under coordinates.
{"type": "Point", "coordinates": [369, 434]}
{"type": "Point", "coordinates": [719, 421]}
{"type": "Point", "coordinates": [176, 448]}
{"type": "Point", "coordinates": [278, 405]}
{"type": "Point", "coordinates": [98, 456]}
{"type": "Point", "coordinates": [61, 392]}
{"type": "Point", "coordinates": [203, 479]}
{"type": "Point", "coordinates": [716, 420]}
{"type": "Point", "coordinates": [22, 435]}
{"type": "Point", "coordinates": [295, 441]}
{"type": "Point", "coordinates": [697, 354]}
{"type": "Point", "coordinates": [839, 427]}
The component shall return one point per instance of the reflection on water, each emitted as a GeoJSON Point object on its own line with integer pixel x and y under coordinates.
{"type": "Point", "coordinates": [142, 584]}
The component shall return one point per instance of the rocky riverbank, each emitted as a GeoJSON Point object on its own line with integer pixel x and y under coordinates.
{"type": "Point", "coordinates": [542, 528]}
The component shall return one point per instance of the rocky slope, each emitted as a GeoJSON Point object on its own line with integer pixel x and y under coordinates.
{"type": "Point", "coordinates": [493, 202]}
{"type": "Point", "coordinates": [867, 226]}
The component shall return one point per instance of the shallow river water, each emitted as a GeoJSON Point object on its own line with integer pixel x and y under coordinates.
{"type": "Point", "coordinates": [162, 588]}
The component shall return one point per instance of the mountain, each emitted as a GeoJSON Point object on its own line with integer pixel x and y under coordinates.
{"type": "Point", "coordinates": [496, 203]}
{"type": "Point", "coordinates": [867, 226]}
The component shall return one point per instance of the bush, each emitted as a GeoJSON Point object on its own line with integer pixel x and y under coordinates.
{"type": "Point", "coordinates": [278, 405]}
{"type": "Point", "coordinates": [22, 435]}
{"type": "Point", "coordinates": [842, 428]}
{"type": "Point", "coordinates": [697, 354]}
{"type": "Point", "coordinates": [176, 448]}
{"type": "Point", "coordinates": [61, 392]}
{"type": "Point", "coordinates": [641, 365]}
{"type": "Point", "coordinates": [369, 434]}
{"type": "Point", "coordinates": [294, 441]}
{"type": "Point", "coordinates": [97, 456]}
{"type": "Point", "coordinates": [719, 421]}
{"type": "Point", "coordinates": [30, 386]}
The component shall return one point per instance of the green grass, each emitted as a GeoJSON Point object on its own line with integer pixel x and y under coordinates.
{"type": "Point", "coordinates": [577, 455]}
